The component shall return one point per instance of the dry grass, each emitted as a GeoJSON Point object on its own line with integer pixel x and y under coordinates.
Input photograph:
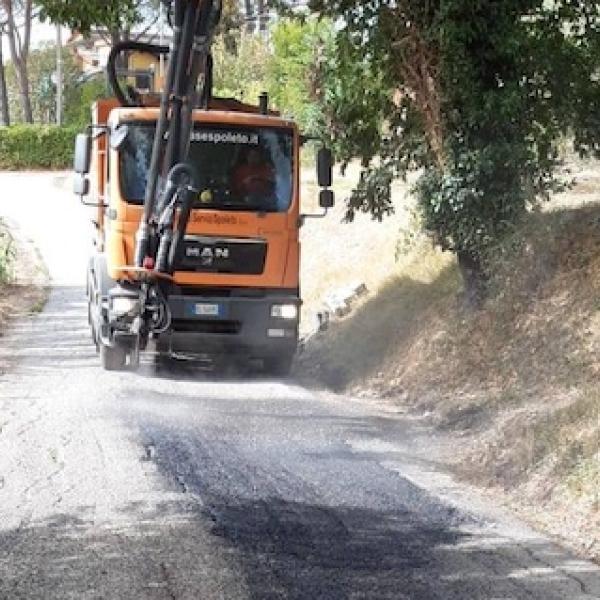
{"type": "Point", "coordinates": [336, 254]}
{"type": "Point", "coordinates": [366, 344]}
{"type": "Point", "coordinates": [515, 383]}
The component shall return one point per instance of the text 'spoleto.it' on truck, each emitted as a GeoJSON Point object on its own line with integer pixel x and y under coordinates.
{"type": "Point", "coordinates": [196, 210]}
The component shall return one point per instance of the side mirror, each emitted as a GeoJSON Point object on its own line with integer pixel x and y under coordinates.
{"type": "Point", "coordinates": [81, 185]}
{"type": "Point", "coordinates": [325, 180]}
{"type": "Point", "coordinates": [83, 154]}
{"type": "Point", "coordinates": [326, 199]}
{"type": "Point", "coordinates": [325, 167]}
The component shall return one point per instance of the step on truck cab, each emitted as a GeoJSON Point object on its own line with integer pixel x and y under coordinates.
{"type": "Point", "coordinates": [208, 262]}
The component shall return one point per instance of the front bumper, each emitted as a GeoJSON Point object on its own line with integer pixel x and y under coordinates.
{"type": "Point", "coordinates": [239, 325]}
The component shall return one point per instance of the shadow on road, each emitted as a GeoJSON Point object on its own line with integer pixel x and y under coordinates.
{"type": "Point", "coordinates": [306, 517]}
{"type": "Point", "coordinates": [274, 549]}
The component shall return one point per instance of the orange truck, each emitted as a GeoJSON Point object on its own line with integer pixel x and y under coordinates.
{"type": "Point", "coordinates": [197, 214]}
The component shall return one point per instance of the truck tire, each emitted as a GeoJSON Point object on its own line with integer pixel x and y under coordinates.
{"type": "Point", "coordinates": [92, 325]}
{"type": "Point", "coordinates": [280, 366]}
{"type": "Point", "coordinates": [112, 357]}
{"type": "Point", "coordinates": [134, 357]}
{"type": "Point", "coordinates": [98, 285]}
{"type": "Point", "coordinates": [89, 292]}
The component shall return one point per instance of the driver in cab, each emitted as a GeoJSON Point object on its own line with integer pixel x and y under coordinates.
{"type": "Point", "coordinates": [253, 176]}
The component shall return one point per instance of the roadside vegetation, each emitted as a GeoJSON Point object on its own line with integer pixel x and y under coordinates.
{"type": "Point", "coordinates": [513, 383]}
{"type": "Point", "coordinates": [31, 147]}
{"type": "Point", "coordinates": [246, 64]}
{"type": "Point", "coordinates": [23, 277]}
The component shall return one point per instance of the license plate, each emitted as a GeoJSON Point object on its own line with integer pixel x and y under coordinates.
{"type": "Point", "coordinates": [207, 310]}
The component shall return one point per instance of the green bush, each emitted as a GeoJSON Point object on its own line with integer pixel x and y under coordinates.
{"type": "Point", "coordinates": [36, 147]}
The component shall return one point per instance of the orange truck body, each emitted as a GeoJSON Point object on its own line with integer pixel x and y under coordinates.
{"type": "Point", "coordinates": [117, 222]}
{"type": "Point", "coordinates": [117, 235]}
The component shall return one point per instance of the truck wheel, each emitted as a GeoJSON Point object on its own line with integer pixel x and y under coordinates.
{"type": "Point", "coordinates": [92, 325]}
{"type": "Point", "coordinates": [112, 357]}
{"type": "Point", "coordinates": [134, 357]}
{"type": "Point", "coordinates": [280, 366]}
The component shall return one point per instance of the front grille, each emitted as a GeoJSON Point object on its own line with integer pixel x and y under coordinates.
{"type": "Point", "coordinates": [200, 326]}
{"type": "Point", "coordinates": [200, 254]}
{"type": "Point", "coordinates": [216, 292]}
{"type": "Point", "coordinates": [205, 292]}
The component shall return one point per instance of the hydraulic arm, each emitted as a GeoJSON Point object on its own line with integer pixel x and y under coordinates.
{"type": "Point", "coordinates": [186, 88]}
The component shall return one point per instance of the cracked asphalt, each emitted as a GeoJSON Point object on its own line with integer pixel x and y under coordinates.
{"type": "Point", "coordinates": [180, 484]}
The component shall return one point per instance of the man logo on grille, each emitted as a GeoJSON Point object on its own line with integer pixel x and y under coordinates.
{"type": "Point", "coordinates": [209, 255]}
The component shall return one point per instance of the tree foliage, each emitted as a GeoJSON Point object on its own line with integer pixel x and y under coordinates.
{"type": "Point", "coordinates": [240, 65]}
{"type": "Point", "coordinates": [4, 110]}
{"type": "Point", "coordinates": [298, 47]}
{"type": "Point", "coordinates": [475, 95]}
{"type": "Point", "coordinates": [78, 112]}
{"type": "Point", "coordinates": [83, 15]}
{"type": "Point", "coordinates": [121, 15]}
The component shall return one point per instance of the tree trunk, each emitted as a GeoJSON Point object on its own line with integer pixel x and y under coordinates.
{"type": "Point", "coordinates": [263, 16]}
{"type": "Point", "coordinates": [19, 52]}
{"type": "Point", "coordinates": [474, 277]}
{"type": "Point", "coordinates": [4, 109]}
{"type": "Point", "coordinates": [250, 22]}
{"type": "Point", "coordinates": [24, 94]}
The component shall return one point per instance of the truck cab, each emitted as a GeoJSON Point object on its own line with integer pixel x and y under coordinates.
{"type": "Point", "coordinates": [235, 289]}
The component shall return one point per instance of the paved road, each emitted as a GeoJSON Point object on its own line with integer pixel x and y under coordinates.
{"type": "Point", "coordinates": [180, 485]}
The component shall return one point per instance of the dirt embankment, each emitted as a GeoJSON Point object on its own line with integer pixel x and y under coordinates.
{"type": "Point", "coordinates": [24, 288]}
{"type": "Point", "coordinates": [515, 385]}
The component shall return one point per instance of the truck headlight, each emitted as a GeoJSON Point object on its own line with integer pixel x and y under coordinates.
{"type": "Point", "coordinates": [284, 311]}
{"type": "Point", "coordinates": [121, 306]}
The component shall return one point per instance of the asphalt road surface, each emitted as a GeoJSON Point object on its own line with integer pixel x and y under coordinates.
{"type": "Point", "coordinates": [179, 484]}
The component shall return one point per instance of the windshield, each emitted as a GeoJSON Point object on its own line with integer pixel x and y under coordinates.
{"type": "Point", "coordinates": [239, 168]}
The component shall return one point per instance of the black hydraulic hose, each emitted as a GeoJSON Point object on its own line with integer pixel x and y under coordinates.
{"type": "Point", "coordinates": [173, 188]}
{"type": "Point", "coordinates": [195, 21]}
{"type": "Point", "coordinates": [187, 203]}
{"type": "Point", "coordinates": [181, 185]}
{"type": "Point", "coordinates": [164, 247]}
{"type": "Point", "coordinates": [182, 174]}
{"type": "Point", "coordinates": [128, 46]}
{"type": "Point", "coordinates": [143, 235]}
{"type": "Point", "coordinates": [180, 85]}
{"type": "Point", "coordinates": [209, 17]}
{"type": "Point", "coordinates": [188, 194]}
